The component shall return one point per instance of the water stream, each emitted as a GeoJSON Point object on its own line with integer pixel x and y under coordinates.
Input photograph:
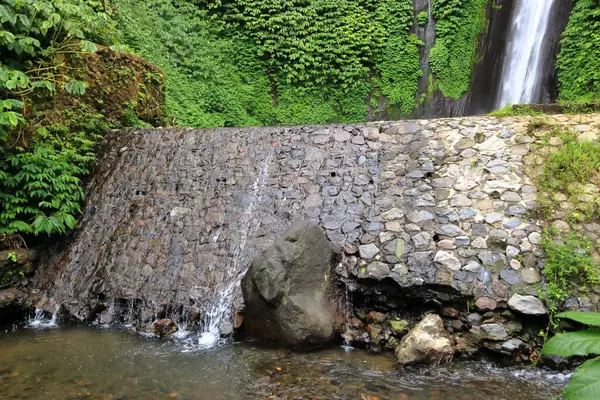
{"type": "Point", "coordinates": [100, 364]}
{"type": "Point", "coordinates": [524, 60]}
{"type": "Point", "coordinates": [221, 308]}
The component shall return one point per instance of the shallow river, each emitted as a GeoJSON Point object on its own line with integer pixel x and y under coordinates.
{"type": "Point", "coordinates": [82, 363]}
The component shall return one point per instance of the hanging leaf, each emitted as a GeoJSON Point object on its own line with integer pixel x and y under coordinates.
{"type": "Point", "coordinates": [587, 318]}
{"type": "Point", "coordinates": [585, 382]}
{"type": "Point", "coordinates": [574, 344]}
{"type": "Point", "coordinates": [76, 88]}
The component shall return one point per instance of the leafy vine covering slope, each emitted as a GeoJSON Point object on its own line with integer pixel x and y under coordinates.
{"type": "Point", "coordinates": [459, 23]}
{"type": "Point", "coordinates": [264, 62]}
{"type": "Point", "coordinates": [579, 57]}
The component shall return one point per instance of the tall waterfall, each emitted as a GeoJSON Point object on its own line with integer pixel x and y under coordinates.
{"type": "Point", "coordinates": [524, 60]}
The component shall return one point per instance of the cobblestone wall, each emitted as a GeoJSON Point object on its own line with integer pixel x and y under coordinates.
{"type": "Point", "coordinates": [172, 214]}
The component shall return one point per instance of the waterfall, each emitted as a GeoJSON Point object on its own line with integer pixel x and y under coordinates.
{"type": "Point", "coordinates": [524, 60]}
{"type": "Point", "coordinates": [220, 310]}
{"type": "Point", "coordinates": [40, 320]}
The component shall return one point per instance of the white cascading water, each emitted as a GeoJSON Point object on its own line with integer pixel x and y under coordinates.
{"type": "Point", "coordinates": [39, 320]}
{"type": "Point", "coordinates": [524, 61]}
{"type": "Point", "coordinates": [221, 308]}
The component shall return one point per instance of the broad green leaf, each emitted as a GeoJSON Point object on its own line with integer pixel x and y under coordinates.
{"type": "Point", "coordinates": [585, 382]}
{"type": "Point", "coordinates": [588, 318]}
{"type": "Point", "coordinates": [88, 47]}
{"type": "Point", "coordinates": [76, 87]}
{"type": "Point", "coordinates": [574, 344]}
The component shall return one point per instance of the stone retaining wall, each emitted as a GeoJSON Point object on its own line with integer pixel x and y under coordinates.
{"type": "Point", "coordinates": [442, 208]}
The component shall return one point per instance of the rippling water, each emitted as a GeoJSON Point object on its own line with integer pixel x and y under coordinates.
{"type": "Point", "coordinates": [82, 363]}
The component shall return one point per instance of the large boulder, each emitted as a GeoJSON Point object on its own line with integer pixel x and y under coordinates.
{"type": "Point", "coordinates": [288, 293]}
{"type": "Point", "coordinates": [426, 343]}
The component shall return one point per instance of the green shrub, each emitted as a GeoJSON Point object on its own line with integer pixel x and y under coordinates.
{"type": "Point", "coordinates": [40, 187]}
{"type": "Point", "coordinates": [567, 170]}
{"type": "Point", "coordinates": [422, 18]}
{"type": "Point", "coordinates": [568, 265]}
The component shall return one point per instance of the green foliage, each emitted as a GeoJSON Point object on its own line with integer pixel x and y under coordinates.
{"type": "Point", "coordinates": [35, 32]}
{"type": "Point", "coordinates": [585, 382]}
{"type": "Point", "coordinates": [459, 23]}
{"type": "Point", "coordinates": [578, 61]}
{"type": "Point", "coordinates": [12, 257]}
{"type": "Point", "coordinates": [212, 80]}
{"type": "Point", "coordinates": [40, 175]}
{"type": "Point", "coordinates": [422, 18]}
{"type": "Point", "coordinates": [265, 62]}
{"type": "Point", "coordinates": [509, 111]}
{"type": "Point", "coordinates": [567, 170]}
{"type": "Point", "coordinates": [40, 187]}
{"type": "Point", "coordinates": [568, 266]}
{"type": "Point", "coordinates": [399, 64]}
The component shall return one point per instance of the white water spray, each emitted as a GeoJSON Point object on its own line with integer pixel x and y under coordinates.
{"type": "Point", "coordinates": [39, 320]}
{"type": "Point", "coordinates": [220, 311]}
{"type": "Point", "coordinates": [524, 61]}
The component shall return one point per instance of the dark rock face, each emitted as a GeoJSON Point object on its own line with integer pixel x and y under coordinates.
{"type": "Point", "coordinates": [288, 290]}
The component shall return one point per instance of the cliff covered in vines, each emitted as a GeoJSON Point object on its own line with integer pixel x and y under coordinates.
{"type": "Point", "coordinates": [578, 61]}
{"type": "Point", "coordinates": [265, 62]}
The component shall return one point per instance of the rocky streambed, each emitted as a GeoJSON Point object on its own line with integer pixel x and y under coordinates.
{"type": "Point", "coordinates": [84, 363]}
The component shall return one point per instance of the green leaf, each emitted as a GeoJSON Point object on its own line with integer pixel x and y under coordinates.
{"type": "Point", "coordinates": [88, 47]}
{"type": "Point", "coordinates": [574, 344]}
{"type": "Point", "coordinates": [588, 318]}
{"type": "Point", "coordinates": [75, 87]}
{"type": "Point", "coordinates": [585, 382]}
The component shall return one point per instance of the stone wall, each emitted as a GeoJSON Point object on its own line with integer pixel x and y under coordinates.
{"type": "Point", "coordinates": [435, 210]}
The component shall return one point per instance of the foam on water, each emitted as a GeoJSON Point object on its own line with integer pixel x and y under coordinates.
{"type": "Point", "coordinates": [40, 321]}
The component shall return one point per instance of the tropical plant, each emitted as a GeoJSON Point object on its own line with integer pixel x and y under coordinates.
{"type": "Point", "coordinates": [585, 382]}
{"type": "Point", "coordinates": [40, 172]}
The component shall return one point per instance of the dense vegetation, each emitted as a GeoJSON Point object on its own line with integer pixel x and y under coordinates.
{"type": "Point", "coordinates": [232, 63]}
{"type": "Point", "coordinates": [579, 58]}
{"type": "Point", "coordinates": [49, 121]}
{"type": "Point", "coordinates": [459, 25]}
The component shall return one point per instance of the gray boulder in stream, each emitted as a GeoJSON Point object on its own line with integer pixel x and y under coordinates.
{"type": "Point", "coordinates": [288, 294]}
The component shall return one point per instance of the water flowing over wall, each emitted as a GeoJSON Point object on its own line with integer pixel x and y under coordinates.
{"type": "Point", "coordinates": [527, 53]}
{"type": "Point", "coordinates": [430, 209]}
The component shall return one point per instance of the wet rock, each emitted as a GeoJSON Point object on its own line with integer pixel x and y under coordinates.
{"type": "Point", "coordinates": [399, 327]}
{"type": "Point", "coordinates": [509, 276]}
{"type": "Point", "coordinates": [474, 319]}
{"type": "Point", "coordinates": [368, 251]}
{"type": "Point", "coordinates": [376, 270]}
{"type": "Point", "coordinates": [494, 331]}
{"type": "Point", "coordinates": [418, 216]}
{"type": "Point", "coordinates": [286, 290]}
{"type": "Point", "coordinates": [530, 276]}
{"type": "Point", "coordinates": [449, 312]}
{"type": "Point", "coordinates": [164, 327]}
{"type": "Point", "coordinates": [426, 343]}
{"type": "Point", "coordinates": [529, 305]}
